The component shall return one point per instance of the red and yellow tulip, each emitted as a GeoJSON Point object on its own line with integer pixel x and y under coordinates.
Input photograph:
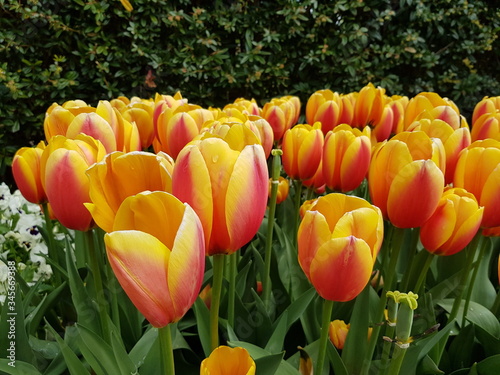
{"type": "Point", "coordinates": [178, 126]}
{"type": "Point", "coordinates": [453, 224]}
{"type": "Point", "coordinates": [478, 172]}
{"type": "Point", "coordinates": [281, 114]}
{"type": "Point", "coordinates": [302, 151]}
{"type": "Point", "coordinates": [283, 189]}
{"type": "Point", "coordinates": [227, 188]}
{"type": "Point", "coordinates": [325, 107]}
{"type": "Point", "coordinates": [26, 172]}
{"type": "Point", "coordinates": [425, 101]}
{"type": "Point", "coordinates": [346, 157]}
{"type": "Point", "coordinates": [454, 140]}
{"type": "Point", "coordinates": [406, 178]}
{"type": "Point", "coordinates": [486, 126]}
{"type": "Point", "coordinates": [121, 175]}
{"type": "Point", "coordinates": [157, 252]}
{"type": "Point", "coordinates": [338, 241]}
{"type": "Point", "coordinates": [486, 105]}
{"type": "Point", "coordinates": [228, 361]}
{"type": "Point", "coordinates": [62, 166]}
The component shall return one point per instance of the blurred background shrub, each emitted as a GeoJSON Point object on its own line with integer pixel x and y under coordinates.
{"type": "Point", "coordinates": [217, 51]}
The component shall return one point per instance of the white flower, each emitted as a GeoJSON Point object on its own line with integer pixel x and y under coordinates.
{"type": "Point", "coordinates": [4, 272]}
{"type": "Point", "coordinates": [44, 272]}
{"type": "Point", "coordinates": [39, 248]}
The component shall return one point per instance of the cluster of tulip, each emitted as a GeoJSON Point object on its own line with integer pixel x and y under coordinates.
{"type": "Point", "coordinates": [214, 176]}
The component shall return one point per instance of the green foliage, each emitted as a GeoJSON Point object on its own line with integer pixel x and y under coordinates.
{"type": "Point", "coordinates": [215, 52]}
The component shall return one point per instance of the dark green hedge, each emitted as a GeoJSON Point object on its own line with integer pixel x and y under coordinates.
{"type": "Point", "coordinates": [216, 51]}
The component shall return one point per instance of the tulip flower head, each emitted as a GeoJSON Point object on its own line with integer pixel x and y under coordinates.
{"type": "Point", "coordinates": [283, 189]}
{"type": "Point", "coordinates": [346, 157]}
{"type": "Point", "coordinates": [478, 172]}
{"type": "Point", "coordinates": [227, 188]}
{"type": "Point", "coordinates": [26, 172]}
{"type": "Point", "coordinates": [337, 331]}
{"type": "Point", "coordinates": [121, 175]}
{"type": "Point", "coordinates": [63, 165]}
{"type": "Point", "coordinates": [406, 178]}
{"type": "Point", "coordinates": [157, 252]}
{"type": "Point", "coordinates": [453, 224]}
{"type": "Point", "coordinates": [338, 241]}
{"type": "Point", "coordinates": [302, 151]}
{"type": "Point", "coordinates": [228, 361]}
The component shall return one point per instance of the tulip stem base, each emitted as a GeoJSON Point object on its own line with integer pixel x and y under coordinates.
{"type": "Point", "coordinates": [98, 285]}
{"type": "Point", "coordinates": [323, 341]}
{"type": "Point", "coordinates": [166, 350]}
{"type": "Point", "coordinates": [233, 270]}
{"type": "Point", "coordinates": [218, 274]}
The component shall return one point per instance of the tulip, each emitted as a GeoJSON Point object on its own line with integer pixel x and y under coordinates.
{"type": "Point", "coordinates": [398, 105]}
{"type": "Point", "coordinates": [425, 101]}
{"type": "Point", "coordinates": [302, 150]}
{"type": "Point", "coordinates": [249, 107]}
{"type": "Point", "coordinates": [486, 105]}
{"type": "Point", "coordinates": [406, 178]}
{"type": "Point", "coordinates": [325, 107]}
{"type": "Point", "coordinates": [346, 157]}
{"type": "Point", "coordinates": [121, 175]}
{"type": "Point", "coordinates": [63, 165]}
{"type": "Point", "coordinates": [57, 120]}
{"type": "Point", "coordinates": [454, 141]}
{"type": "Point", "coordinates": [227, 188]}
{"type": "Point", "coordinates": [95, 126]}
{"type": "Point", "coordinates": [316, 182]}
{"type": "Point", "coordinates": [140, 112]}
{"type": "Point", "coordinates": [454, 223]}
{"type": "Point", "coordinates": [225, 360]}
{"type": "Point", "coordinates": [338, 331]}
{"type": "Point", "coordinates": [26, 172]}
{"type": "Point", "coordinates": [445, 113]}
{"type": "Point", "coordinates": [157, 253]}
{"type": "Point", "coordinates": [283, 189]}
{"type": "Point", "coordinates": [178, 126]}
{"type": "Point", "coordinates": [486, 126]}
{"type": "Point", "coordinates": [280, 113]}
{"type": "Point", "coordinates": [338, 241]}
{"type": "Point", "coordinates": [478, 172]}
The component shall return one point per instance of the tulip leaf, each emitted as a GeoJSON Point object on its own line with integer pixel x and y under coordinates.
{"type": "Point", "coordinates": [428, 366]}
{"type": "Point", "coordinates": [34, 318]}
{"type": "Point", "coordinates": [202, 315]}
{"type": "Point", "coordinates": [476, 314]}
{"type": "Point", "coordinates": [489, 365]}
{"type": "Point", "coordinates": [461, 348]}
{"type": "Point", "coordinates": [143, 346]}
{"type": "Point", "coordinates": [97, 352]}
{"type": "Point", "coordinates": [260, 320]}
{"type": "Point", "coordinates": [275, 343]}
{"type": "Point", "coordinates": [490, 344]}
{"type": "Point", "coordinates": [81, 300]}
{"type": "Point", "coordinates": [268, 365]}
{"type": "Point", "coordinates": [74, 364]}
{"type": "Point", "coordinates": [121, 357]}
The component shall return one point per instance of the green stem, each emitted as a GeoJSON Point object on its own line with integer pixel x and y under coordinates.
{"type": "Point", "coordinates": [423, 272]}
{"type": "Point", "coordinates": [218, 273]}
{"type": "Point", "coordinates": [233, 265]}
{"type": "Point", "coordinates": [483, 246]}
{"type": "Point", "coordinates": [166, 350]}
{"type": "Point", "coordinates": [323, 341]}
{"type": "Point", "coordinates": [413, 250]}
{"type": "Point", "coordinates": [98, 285]}
{"type": "Point", "coordinates": [266, 277]}
{"type": "Point", "coordinates": [397, 360]}
{"type": "Point", "coordinates": [397, 239]}
{"type": "Point", "coordinates": [386, 350]}
{"type": "Point", "coordinates": [298, 196]}
{"type": "Point", "coordinates": [53, 255]}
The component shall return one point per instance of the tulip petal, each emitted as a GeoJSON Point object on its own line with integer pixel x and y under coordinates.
{"type": "Point", "coordinates": [313, 232]}
{"type": "Point", "coordinates": [246, 196]}
{"type": "Point", "coordinates": [341, 268]}
{"type": "Point", "coordinates": [140, 263]}
{"type": "Point", "coordinates": [187, 263]}
{"type": "Point", "coordinates": [191, 170]}
{"type": "Point", "coordinates": [67, 188]}
{"type": "Point", "coordinates": [414, 194]}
